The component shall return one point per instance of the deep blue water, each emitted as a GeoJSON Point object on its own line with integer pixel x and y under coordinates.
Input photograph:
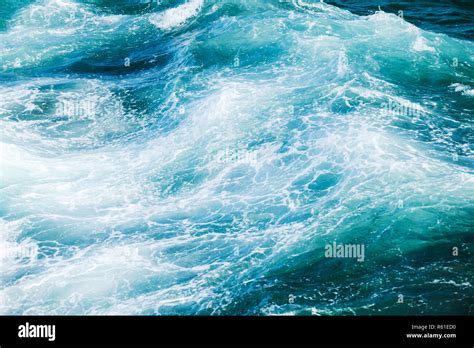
{"type": "Point", "coordinates": [455, 18]}
{"type": "Point", "coordinates": [199, 157]}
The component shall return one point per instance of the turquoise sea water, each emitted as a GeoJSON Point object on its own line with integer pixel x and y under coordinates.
{"type": "Point", "coordinates": [196, 157]}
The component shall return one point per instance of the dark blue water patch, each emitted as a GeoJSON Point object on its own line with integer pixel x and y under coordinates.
{"type": "Point", "coordinates": [129, 7]}
{"type": "Point", "coordinates": [452, 17]}
{"type": "Point", "coordinates": [119, 64]}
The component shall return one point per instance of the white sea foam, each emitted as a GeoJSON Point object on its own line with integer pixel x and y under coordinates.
{"type": "Point", "coordinates": [177, 16]}
{"type": "Point", "coordinates": [465, 90]}
{"type": "Point", "coordinates": [421, 45]}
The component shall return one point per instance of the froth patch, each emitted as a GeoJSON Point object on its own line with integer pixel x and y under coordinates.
{"type": "Point", "coordinates": [463, 89]}
{"type": "Point", "coordinates": [177, 16]}
{"type": "Point", "coordinates": [420, 45]}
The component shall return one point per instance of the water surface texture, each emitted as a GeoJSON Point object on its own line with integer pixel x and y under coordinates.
{"type": "Point", "coordinates": [196, 157]}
